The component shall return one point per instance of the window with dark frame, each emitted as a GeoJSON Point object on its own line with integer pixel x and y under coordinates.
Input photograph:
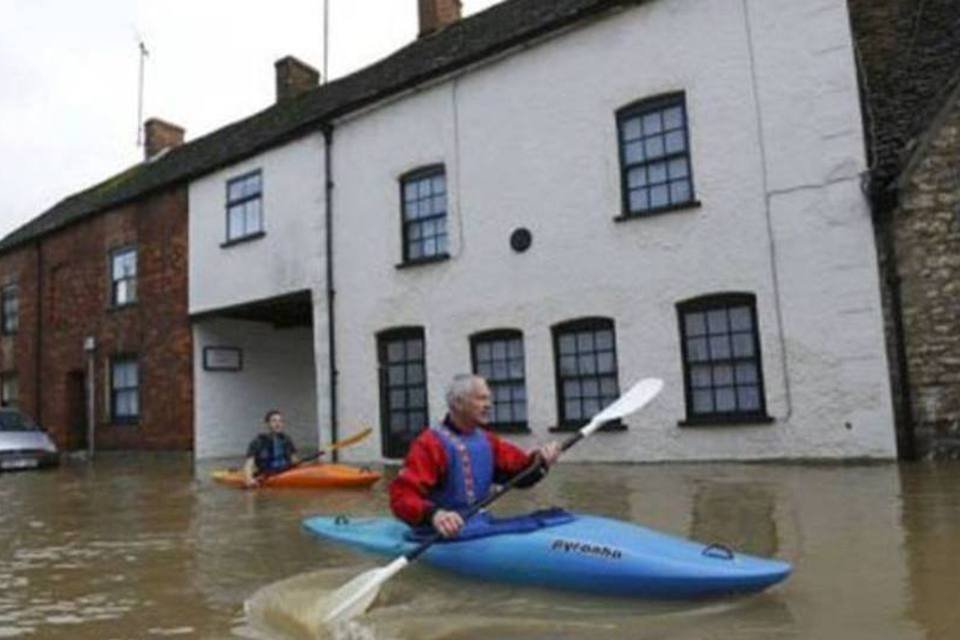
{"type": "Point", "coordinates": [424, 213]}
{"type": "Point", "coordinates": [655, 155]}
{"type": "Point", "coordinates": [403, 388]}
{"type": "Point", "coordinates": [125, 389]}
{"type": "Point", "coordinates": [245, 206]}
{"type": "Point", "coordinates": [9, 390]}
{"type": "Point", "coordinates": [585, 355]}
{"type": "Point", "coordinates": [123, 276]}
{"type": "Point", "coordinates": [9, 310]}
{"type": "Point", "coordinates": [498, 357]}
{"type": "Point", "coordinates": [722, 367]}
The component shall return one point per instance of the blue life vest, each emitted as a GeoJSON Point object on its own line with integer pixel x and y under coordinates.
{"type": "Point", "coordinates": [469, 469]}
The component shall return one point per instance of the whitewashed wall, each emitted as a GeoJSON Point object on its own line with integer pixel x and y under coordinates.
{"type": "Point", "coordinates": [279, 366]}
{"type": "Point", "coordinates": [531, 140]}
{"type": "Point", "coordinates": [278, 373]}
{"type": "Point", "coordinates": [290, 255]}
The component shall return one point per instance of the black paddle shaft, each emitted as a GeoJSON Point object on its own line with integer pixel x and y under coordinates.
{"type": "Point", "coordinates": [535, 467]}
{"type": "Point", "coordinates": [269, 474]}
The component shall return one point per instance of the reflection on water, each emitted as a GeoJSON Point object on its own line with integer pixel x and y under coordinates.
{"type": "Point", "coordinates": [930, 517]}
{"type": "Point", "coordinates": [145, 546]}
{"type": "Point", "coordinates": [738, 515]}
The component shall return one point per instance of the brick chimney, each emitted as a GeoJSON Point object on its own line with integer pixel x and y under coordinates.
{"type": "Point", "coordinates": [437, 14]}
{"type": "Point", "coordinates": [294, 78]}
{"type": "Point", "coordinates": [160, 135]}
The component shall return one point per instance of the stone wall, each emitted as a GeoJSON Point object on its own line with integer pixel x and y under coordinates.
{"type": "Point", "coordinates": [907, 51]}
{"type": "Point", "coordinates": [908, 57]}
{"type": "Point", "coordinates": [926, 229]}
{"type": "Point", "coordinates": [18, 351]}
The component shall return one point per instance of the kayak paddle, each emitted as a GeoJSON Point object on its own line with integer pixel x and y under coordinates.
{"type": "Point", "coordinates": [346, 442]}
{"type": "Point", "coordinates": [356, 596]}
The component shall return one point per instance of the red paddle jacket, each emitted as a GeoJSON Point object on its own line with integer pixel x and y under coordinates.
{"type": "Point", "coordinates": [425, 468]}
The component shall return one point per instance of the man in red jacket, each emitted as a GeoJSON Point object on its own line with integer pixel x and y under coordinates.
{"type": "Point", "coordinates": [454, 464]}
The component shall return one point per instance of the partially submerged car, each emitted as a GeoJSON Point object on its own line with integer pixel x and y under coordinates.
{"type": "Point", "coordinates": [23, 443]}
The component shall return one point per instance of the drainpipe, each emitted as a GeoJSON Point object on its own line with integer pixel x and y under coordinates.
{"type": "Point", "coordinates": [331, 292]}
{"type": "Point", "coordinates": [38, 357]}
{"type": "Point", "coordinates": [884, 204]}
{"type": "Point", "coordinates": [883, 201]}
{"type": "Point", "coordinates": [90, 347]}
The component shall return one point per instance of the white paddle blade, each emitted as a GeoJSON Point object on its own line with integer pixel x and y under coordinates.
{"type": "Point", "coordinates": [633, 400]}
{"type": "Point", "coordinates": [355, 597]}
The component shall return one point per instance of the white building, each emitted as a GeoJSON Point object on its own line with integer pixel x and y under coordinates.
{"type": "Point", "coordinates": [256, 256]}
{"type": "Point", "coordinates": [568, 197]}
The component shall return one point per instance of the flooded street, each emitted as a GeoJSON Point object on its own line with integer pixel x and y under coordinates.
{"type": "Point", "coordinates": [145, 546]}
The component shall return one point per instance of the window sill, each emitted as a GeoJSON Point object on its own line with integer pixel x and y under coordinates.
{"type": "Point", "coordinates": [614, 426]}
{"type": "Point", "coordinates": [692, 204]}
{"type": "Point", "coordinates": [121, 307]}
{"type": "Point", "coordinates": [249, 238]}
{"type": "Point", "coordinates": [727, 421]}
{"type": "Point", "coordinates": [124, 422]}
{"type": "Point", "coordinates": [442, 257]}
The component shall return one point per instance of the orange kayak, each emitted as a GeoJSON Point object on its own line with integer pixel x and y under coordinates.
{"type": "Point", "coordinates": [309, 476]}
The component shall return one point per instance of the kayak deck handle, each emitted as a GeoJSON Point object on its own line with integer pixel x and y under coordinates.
{"type": "Point", "coordinates": [341, 520]}
{"type": "Point", "coordinates": [719, 551]}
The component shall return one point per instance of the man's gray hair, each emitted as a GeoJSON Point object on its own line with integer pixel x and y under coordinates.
{"type": "Point", "coordinates": [460, 387]}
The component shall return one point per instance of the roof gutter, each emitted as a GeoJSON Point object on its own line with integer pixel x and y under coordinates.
{"type": "Point", "coordinates": [883, 198]}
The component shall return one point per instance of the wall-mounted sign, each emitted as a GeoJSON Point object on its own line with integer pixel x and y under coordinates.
{"type": "Point", "coordinates": [222, 359]}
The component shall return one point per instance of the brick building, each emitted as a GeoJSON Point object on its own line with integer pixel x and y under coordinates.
{"type": "Point", "coordinates": [95, 290]}
{"type": "Point", "coordinates": [909, 58]}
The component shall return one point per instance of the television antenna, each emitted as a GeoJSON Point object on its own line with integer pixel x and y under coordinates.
{"type": "Point", "coordinates": [326, 40]}
{"type": "Point", "coordinates": [143, 55]}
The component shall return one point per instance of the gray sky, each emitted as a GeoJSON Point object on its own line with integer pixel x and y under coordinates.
{"type": "Point", "coordinates": [69, 74]}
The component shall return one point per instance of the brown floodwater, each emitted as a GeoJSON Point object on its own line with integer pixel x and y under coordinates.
{"type": "Point", "coordinates": [145, 546]}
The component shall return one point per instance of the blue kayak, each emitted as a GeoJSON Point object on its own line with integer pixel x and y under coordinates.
{"type": "Point", "coordinates": [570, 551]}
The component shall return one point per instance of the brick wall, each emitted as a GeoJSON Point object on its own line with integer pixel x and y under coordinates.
{"type": "Point", "coordinates": [75, 303]}
{"type": "Point", "coordinates": [18, 353]}
{"type": "Point", "coordinates": [927, 238]}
